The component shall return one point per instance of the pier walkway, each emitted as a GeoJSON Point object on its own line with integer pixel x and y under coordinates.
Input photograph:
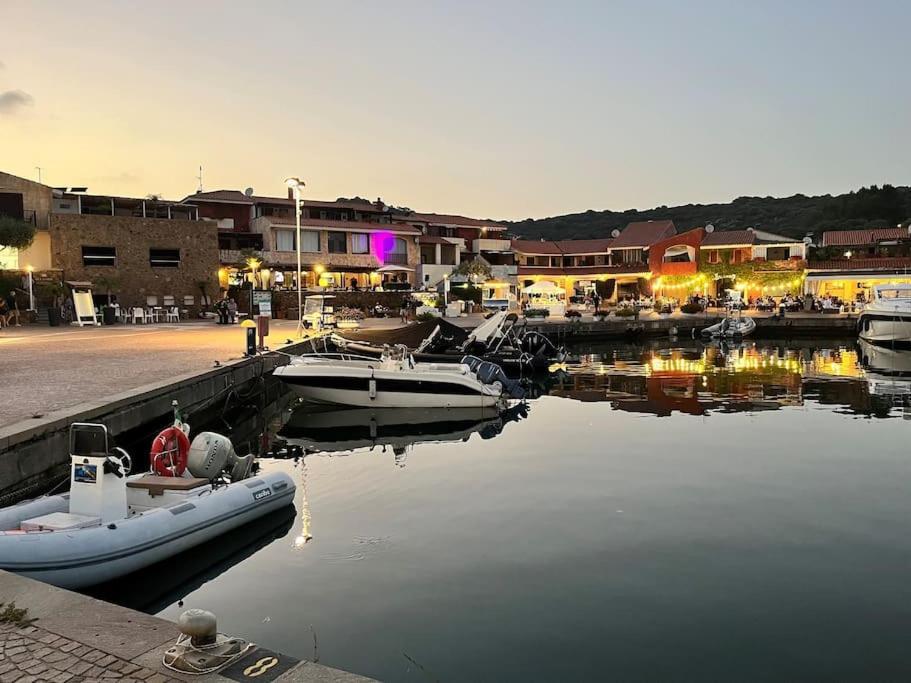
{"type": "Point", "coordinates": [77, 639]}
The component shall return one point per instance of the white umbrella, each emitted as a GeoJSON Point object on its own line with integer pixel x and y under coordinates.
{"type": "Point", "coordinates": [394, 269]}
{"type": "Point", "coordinates": [543, 287]}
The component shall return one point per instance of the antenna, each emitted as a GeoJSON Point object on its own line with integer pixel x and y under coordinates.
{"type": "Point", "coordinates": [199, 178]}
{"type": "Point", "coordinates": [615, 233]}
{"type": "Point", "coordinates": [710, 228]}
{"type": "Point", "coordinates": [39, 173]}
{"type": "Point", "coordinates": [807, 240]}
{"type": "Point", "coordinates": [248, 192]}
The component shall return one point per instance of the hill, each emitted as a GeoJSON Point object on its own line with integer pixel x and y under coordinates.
{"type": "Point", "coordinates": [792, 216]}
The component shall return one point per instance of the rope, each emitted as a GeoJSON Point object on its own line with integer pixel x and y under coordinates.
{"type": "Point", "coordinates": [185, 642]}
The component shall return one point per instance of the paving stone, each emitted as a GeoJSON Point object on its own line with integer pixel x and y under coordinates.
{"type": "Point", "coordinates": [93, 655]}
{"type": "Point", "coordinates": [106, 661]}
{"type": "Point", "coordinates": [157, 678]}
{"type": "Point", "coordinates": [70, 647]}
{"type": "Point", "coordinates": [80, 668]}
{"type": "Point", "coordinates": [62, 677]}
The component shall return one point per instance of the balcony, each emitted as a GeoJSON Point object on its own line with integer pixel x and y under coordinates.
{"type": "Point", "coordinates": [484, 244]}
{"type": "Point", "coordinates": [396, 259]}
{"type": "Point", "coordinates": [504, 272]}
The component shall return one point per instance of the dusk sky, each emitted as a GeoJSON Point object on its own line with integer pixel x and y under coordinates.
{"type": "Point", "coordinates": [489, 109]}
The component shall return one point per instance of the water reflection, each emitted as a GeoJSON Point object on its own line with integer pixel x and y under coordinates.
{"type": "Point", "coordinates": [699, 379]}
{"type": "Point", "coordinates": [345, 431]}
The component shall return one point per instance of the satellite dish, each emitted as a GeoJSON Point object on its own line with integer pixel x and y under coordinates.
{"type": "Point", "coordinates": [710, 228]}
{"type": "Point", "coordinates": [615, 233]}
{"type": "Point", "coordinates": [808, 240]}
{"type": "Point", "coordinates": [249, 192]}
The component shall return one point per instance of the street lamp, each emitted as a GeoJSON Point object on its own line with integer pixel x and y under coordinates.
{"type": "Point", "coordinates": [31, 290]}
{"type": "Point", "coordinates": [296, 184]}
{"type": "Point", "coordinates": [848, 254]}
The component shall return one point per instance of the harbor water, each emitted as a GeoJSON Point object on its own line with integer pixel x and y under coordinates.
{"type": "Point", "coordinates": [660, 511]}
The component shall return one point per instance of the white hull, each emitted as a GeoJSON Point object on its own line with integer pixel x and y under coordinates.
{"type": "Point", "coordinates": [392, 399]}
{"type": "Point", "coordinates": [737, 328]}
{"type": "Point", "coordinates": [78, 558]}
{"type": "Point", "coordinates": [885, 331]}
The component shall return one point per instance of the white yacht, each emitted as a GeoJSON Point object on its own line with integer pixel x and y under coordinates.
{"type": "Point", "coordinates": [887, 319]}
{"type": "Point", "coordinates": [396, 381]}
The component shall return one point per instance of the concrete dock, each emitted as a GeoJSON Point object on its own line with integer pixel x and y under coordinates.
{"type": "Point", "coordinates": [77, 639]}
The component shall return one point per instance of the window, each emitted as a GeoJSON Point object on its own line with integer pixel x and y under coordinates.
{"type": "Point", "coordinates": [284, 240]}
{"type": "Point", "coordinates": [309, 241]}
{"type": "Point", "coordinates": [344, 215]}
{"type": "Point", "coordinates": [338, 243]}
{"type": "Point", "coordinates": [714, 256]}
{"type": "Point", "coordinates": [323, 215]}
{"type": "Point", "coordinates": [778, 253]}
{"type": "Point", "coordinates": [164, 258]}
{"type": "Point", "coordinates": [188, 300]}
{"type": "Point", "coordinates": [360, 243]}
{"type": "Point", "coordinates": [98, 256]}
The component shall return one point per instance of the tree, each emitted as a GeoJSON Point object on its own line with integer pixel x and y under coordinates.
{"type": "Point", "coordinates": [474, 269]}
{"type": "Point", "coordinates": [15, 233]}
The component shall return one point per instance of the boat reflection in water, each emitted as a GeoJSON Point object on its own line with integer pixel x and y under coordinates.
{"type": "Point", "coordinates": [345, 431]}
{"type": "Point", "coordinates": [699, 379]}
{"type": "Point", "coordinates": [156, 587]}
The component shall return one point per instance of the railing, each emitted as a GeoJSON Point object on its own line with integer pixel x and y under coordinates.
{"type": "Point", "coordinates": [484, 244]}
{"type": "Point", "coordinates": [396, 259]}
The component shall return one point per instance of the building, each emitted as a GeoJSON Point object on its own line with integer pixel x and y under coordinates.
{"type": "Point", "coordinates": [616, 267]}
{"type": "Point", "coordinates": [27, 201]}
{"type": "Point", "coordinates": [447, 240]}
{"type": "Point", "coordinates": [344, 243]}
{"type": "Point", "coordinates": [144, 251]}
{"type": "Point", "coordinates": [848, 263]}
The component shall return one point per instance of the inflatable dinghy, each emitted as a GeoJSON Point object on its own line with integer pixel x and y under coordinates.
{"type": "Point", "coordinates": [111, 523]}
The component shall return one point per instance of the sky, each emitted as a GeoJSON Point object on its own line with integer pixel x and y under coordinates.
{"type": "Point", "coordinates": [493, 109]}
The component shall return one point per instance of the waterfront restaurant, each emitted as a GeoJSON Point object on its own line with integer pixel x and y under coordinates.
{"type": "Point", "coordinates": [579, 268]}
{"type": "Point", "coordinates": [849, 263]}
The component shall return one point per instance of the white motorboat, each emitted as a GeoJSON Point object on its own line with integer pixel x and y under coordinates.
{"type": "Point", "coordinates": [395, 380]}
{"type": "Point", "coordinates": [887, 370]}
{"type": "Point", "coordinates": [110, 524]}
{"type": "Point", "coordinates": [732, 327]}
{"type": "Point", "coordinates": [887, 319]}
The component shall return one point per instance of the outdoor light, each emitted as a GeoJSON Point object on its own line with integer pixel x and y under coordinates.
{"type": "Point", "coordinates": [318, 269]}
{"type": "Point", "coordinates": [296, 184]}
{"type": "Point", "coordinates": [847, 254]}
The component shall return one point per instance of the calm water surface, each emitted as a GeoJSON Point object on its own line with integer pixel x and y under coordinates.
{"type": "Point", "coordinates": [665, 511]}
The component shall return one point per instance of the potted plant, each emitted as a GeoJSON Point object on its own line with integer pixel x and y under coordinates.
{"type": "Point", "coordinates": [108, 312]}
{"type": "Point", "coordinates": [53, 313]}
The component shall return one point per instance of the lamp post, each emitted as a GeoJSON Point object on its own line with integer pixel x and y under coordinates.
{"type": "Point", "coordinates": [31, 290]}
{"type": "Point", "coordinates": [296, 184]}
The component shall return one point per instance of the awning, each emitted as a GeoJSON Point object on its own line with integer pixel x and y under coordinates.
{"type": "Point", "coordinates": [394, 269]}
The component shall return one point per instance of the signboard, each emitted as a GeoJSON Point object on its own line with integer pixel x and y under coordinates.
{"type": "Point", "coordinates": [262, 301]}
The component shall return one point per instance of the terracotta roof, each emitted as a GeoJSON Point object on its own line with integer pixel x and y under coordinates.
{"type": "Point", "coordinates": [853, 238]}
{"type": "Point", "coordinates": [536, 247]}
{"type": "Point", "coordinates": [643, 234]}
{"type": "Point", "coordinates": [884, 263]}
{"type": "Point", "coordinates": [433, 239]}
{"type": "Point", "coordinates": [724, 237]}
{"type": "Point", "coordinates": [598, 246]}
{"type": "Point", "coordinates": [232, 196]}
{"type": "Point", "coordinates": [448, 219]}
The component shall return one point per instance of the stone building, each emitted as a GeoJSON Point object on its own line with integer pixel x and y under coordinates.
{"type": "Point", "coordinates": [31, 202]}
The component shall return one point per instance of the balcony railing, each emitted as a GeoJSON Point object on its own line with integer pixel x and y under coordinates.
{"type": "Point", "coordinates": [396, 259]}
{"type": "Point", "coordinates": [483, 244]}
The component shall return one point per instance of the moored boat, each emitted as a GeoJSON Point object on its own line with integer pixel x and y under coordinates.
{"type": "Point", "coordinates": [110, 523]}
{"type": "Point", "coordinates": [731, 327]}
{"type": "Point", "coordinates": [887, 319]}
{"type": "Point", "coordinates": [396, 381]}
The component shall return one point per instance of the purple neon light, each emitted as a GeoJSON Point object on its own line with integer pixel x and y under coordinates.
{"type": "Point", "coordinates": [381, 243]}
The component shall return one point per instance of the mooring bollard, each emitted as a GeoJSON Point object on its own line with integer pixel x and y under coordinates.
{"type": "Point", "coordinates": [250, 328]}
{"type": "Point", "coordinates": [200, 649]}
{"type": "Point", "coordinates": [200, 625]}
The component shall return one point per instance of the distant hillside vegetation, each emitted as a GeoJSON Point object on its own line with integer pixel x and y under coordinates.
{"type": "Point", "coordinates": [795, 216]}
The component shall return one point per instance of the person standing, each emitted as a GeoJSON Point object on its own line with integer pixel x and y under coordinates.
{"type": "Point", "coordinates": [232, 311]}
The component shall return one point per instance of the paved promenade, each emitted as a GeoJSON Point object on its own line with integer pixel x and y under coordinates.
{"type": "Point", "coordinates": [43, 369]}
{"type": "Point", "coordinates": [77, 639]}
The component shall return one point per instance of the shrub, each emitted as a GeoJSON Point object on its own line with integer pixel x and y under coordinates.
{"type": "Point", "coordinates": [536, 313]}
{"type": "Point", "coordinates": [692, 307]}
{"type": "Point", "coordinates": [625, 312]}
{"type": "Point", "coordinates": [424, 317]}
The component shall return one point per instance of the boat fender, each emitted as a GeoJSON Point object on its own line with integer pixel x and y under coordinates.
{"type": "Point", "coordinates": [169, 452]}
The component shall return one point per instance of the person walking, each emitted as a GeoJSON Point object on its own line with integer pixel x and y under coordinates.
{"type": "Point", "coordinates": [13, 307]}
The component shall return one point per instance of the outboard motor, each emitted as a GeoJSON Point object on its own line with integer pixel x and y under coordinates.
{"type": "Point", "coordinates": [211, 454]}
{"type": "Point", "coordinates": [488, 373]}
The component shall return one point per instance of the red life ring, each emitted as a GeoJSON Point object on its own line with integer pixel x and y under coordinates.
{"type": "Point", "coordinates": [169, 452]}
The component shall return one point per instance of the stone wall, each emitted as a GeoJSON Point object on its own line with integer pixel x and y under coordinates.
{"type": "Point", "coordinates": [132, 238]}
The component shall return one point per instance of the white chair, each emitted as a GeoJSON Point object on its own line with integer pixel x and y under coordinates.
{"type": "Point", "coordinates": [138, 315]}
{"type": "Point", "coordinates": [173, 315]}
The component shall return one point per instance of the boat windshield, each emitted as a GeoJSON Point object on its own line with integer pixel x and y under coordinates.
{"type": "Point", "coordinates": [897, 293]}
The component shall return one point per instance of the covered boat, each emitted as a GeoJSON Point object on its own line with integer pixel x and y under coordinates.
{"type": "Point", "coordinates": [500, 339]}
{"type": "Point", "coordinates": [887, 319]}
{"type": "Point", "coordinates": [396, 380]}
{"type": "Point", "coordinates": [111, 524]}
{"type": "Point", "coordinates": [732, 327]}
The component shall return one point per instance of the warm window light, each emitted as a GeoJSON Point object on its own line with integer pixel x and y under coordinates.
{"type": "Point", "coordinates": [318, 269]}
